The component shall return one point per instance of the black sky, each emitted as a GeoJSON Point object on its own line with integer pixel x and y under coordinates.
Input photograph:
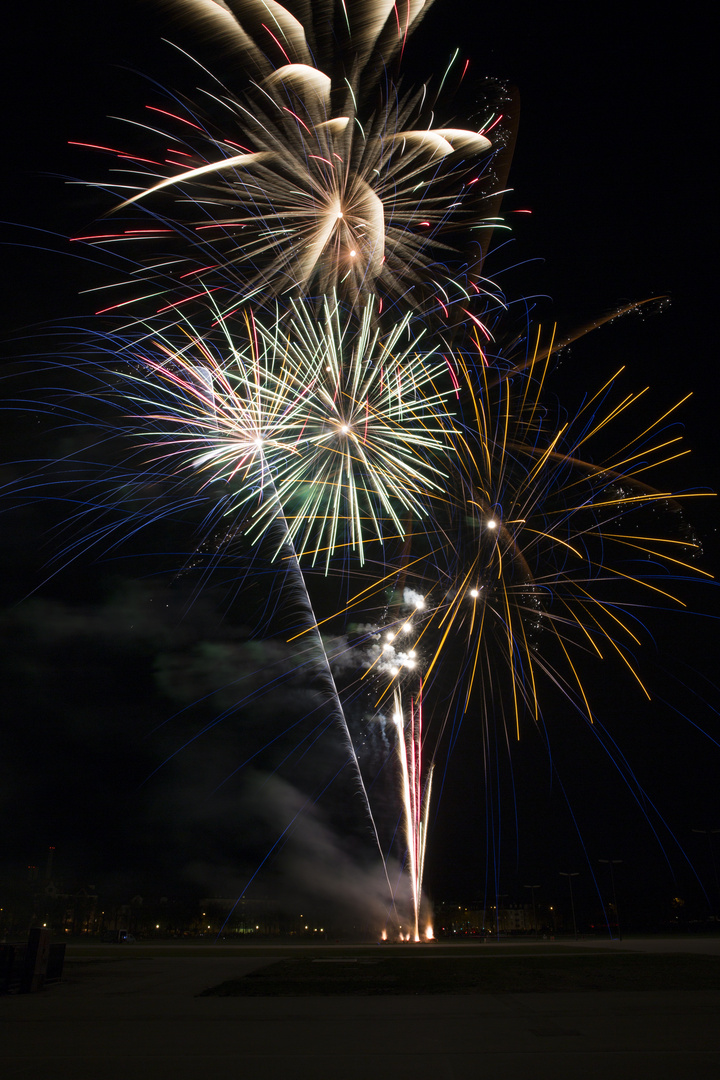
{"type": "Point", "coordinates": [612, 158]}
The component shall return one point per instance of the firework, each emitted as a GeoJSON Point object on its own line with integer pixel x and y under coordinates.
{"type": "Point", "coordinates": [559, 539]}
{"type": "Point", "coordinates": [332, 34]}
{"type": "Point", "coordinates": [554, 541]}
{"type": "Point", "coordinates": [310, 217]}
{"type": "Point", "coordinates": [548, 537]}
{"type": "Point", "coordinates": [416, 793]}
{"type": "Point", "coordinates": [298, 187]}
{"type": "Point", "coordinates": [343, 432]}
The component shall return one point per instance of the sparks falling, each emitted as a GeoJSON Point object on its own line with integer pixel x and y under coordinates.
{"type": "Point", "coordinates": [416, 792]}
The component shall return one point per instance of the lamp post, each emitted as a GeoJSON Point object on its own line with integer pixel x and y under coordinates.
{"type": "Point", "coordinates": [498, 898]}
{"type": "Point", "coordinates": [611, 863]}
{"type": "Point", "coordinates": [710, 833]}
{"type": "Point", "coordinates": [570, 874]}
{"type": "Point", "coordinates": [533, 888]}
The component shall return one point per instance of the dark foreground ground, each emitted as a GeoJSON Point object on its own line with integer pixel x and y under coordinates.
{"type": "Point", "coordinates": [527, 1010]}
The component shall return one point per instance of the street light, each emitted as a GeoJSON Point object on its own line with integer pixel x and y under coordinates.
{"type": "Point", "coordinates": [533, 887]}
{"type": "Point", "coordinates": [710, 833]}
{"type": "Point", "coordinates": [570, 875]}
{"type": "Point", "coordinates": [498, 898]}
{"type": "Point", "coordinates": [611, 863]}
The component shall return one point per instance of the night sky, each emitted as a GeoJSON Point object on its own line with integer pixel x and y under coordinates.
{"type": "Point", "coordinates": [104, 661]}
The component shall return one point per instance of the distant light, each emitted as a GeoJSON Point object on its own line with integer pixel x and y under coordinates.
{"type": "Point", "coordinates": [340, 214]}
{"type": "Point", "coordinates": [394, 671]}
{"type": "Point", "coordinates": [492, 524]}
{"type": "Point", "coordinates": [344, 428]}
{"type": "Point", "coordinates": [406, 627]}
{"type": "Point", "coordinates": [353, 254]}
{"type": "Point", "coordinates": [410, 663]}
{"type": "Point", "coordinates": [390, 637]}
{"type": "Point", "coordinates": [474, 593]}
{"type": "Point", "coordinates": [419, 604]}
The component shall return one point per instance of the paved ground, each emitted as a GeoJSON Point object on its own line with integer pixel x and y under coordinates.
{"type": "Point", "coordinates": [708, 946]}
{"type": "Point", "coordinates": [139, 1019]}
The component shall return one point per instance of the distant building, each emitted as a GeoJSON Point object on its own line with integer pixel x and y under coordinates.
{"type": "Point", "coordinates": [457, 919]}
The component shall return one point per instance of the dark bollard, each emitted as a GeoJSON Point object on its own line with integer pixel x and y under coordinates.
{"type": "Point", "coordinates": [36, 960]}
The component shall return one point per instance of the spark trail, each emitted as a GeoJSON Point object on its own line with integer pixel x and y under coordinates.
{"type": "Point", "coordinates": [416, 793]}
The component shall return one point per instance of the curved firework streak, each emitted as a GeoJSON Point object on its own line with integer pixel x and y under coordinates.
{"type": "Point", "coordinates": [339, 37]}
{"type": "Point", "coordinates": [298, 188]}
